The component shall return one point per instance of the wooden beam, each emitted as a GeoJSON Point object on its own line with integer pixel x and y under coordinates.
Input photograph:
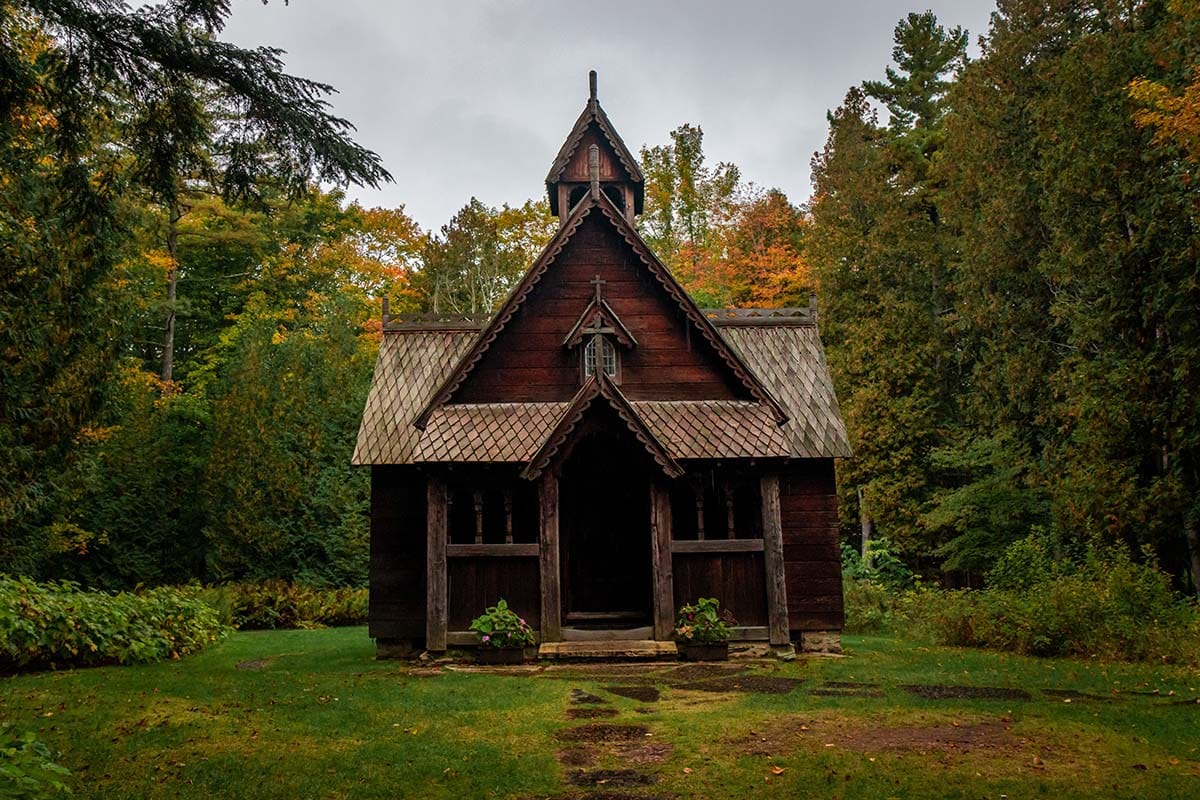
{"type": "Point", "coordinates": [508, 519]}
{"type": "Point", "coordinates": [478, 498]}
{"type": "Point", "coordinates": [717, 546]}
{"type": "Point", "coordinates": [777, 612]}
{"type": "Point", "coordinates": [660, 548]}
{"type": "Point", "coordinates": [435, 565]}
{"type": "Point", "coordinates": [548, 555]}
{"type": "Point", "coordinates": [491, 550]}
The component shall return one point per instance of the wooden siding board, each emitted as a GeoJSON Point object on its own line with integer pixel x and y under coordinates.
{"type": "Point", "coordinates": [810, 545]}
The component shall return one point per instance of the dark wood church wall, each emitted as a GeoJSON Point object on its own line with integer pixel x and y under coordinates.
{"type": "Point", "coordinates": [811, 554]}
{"type": "Point", "coordinates": [397, 567]}
{"type": "Point", "coordinates": [529, 364]}
{"type": "Point", "coordinates": [738, 580]}
{"type": "Point", "coordinates": [476, 583]}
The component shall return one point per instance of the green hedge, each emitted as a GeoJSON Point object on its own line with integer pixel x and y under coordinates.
{"type": "Point", "coordinates": [27, 769]}
{"type": "Point", "coordinates": [276, 604]}
{"type": "Point", "coordinates": [54, 625]}
{"type": "Point", "coordinates": [1102, 604]}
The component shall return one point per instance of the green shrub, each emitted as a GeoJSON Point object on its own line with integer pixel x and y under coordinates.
{"type": "Point", "coordinates": [51, 625]}
{"type": "Point", "coordinates": [703, 622]}
{"type": "Point", "coordinates": [871, 608]}
{"type": "Point", "coordinates": [500, 626]}
{"type": "Point", "coordinates": [1106, 606]}
{"type": "Point", "coordinates": [278, 605]}
{"type": "Point", "coordinates": [27, 769]}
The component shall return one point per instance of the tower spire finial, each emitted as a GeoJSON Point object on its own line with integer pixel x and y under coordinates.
{"type": "Point", "coordinates": [592, 85]}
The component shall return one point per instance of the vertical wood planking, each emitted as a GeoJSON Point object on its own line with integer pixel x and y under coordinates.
{"type": "Point", "coordinates": [660, 546]}
{"type": "Point", "coordinates": [436, 578]}
{"type": "Point", "coordinates": [772, 527]}
{"type": "Point", "coordinates": [548, 556]}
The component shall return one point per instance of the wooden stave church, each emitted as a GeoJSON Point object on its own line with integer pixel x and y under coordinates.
{"type": "Point", "coordinates": [600, 450]}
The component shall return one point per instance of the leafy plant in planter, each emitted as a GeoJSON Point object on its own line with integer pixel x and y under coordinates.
{"type": "Point", "coordinates": [703, 630]}
{"type": "Point", "coordinates": [503, 635]}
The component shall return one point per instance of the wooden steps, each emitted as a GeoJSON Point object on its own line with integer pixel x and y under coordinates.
{"type": "Point", "coordinates": [614, 649]}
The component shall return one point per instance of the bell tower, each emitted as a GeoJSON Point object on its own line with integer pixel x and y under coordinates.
{"type": "Point", "coordinates": [595, 148]}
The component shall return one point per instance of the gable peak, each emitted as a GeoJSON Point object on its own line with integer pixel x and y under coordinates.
{"type": "Point", "coordinates": [618, 176]}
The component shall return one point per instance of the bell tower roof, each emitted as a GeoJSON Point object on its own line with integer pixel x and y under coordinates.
{"type": "Point", "coordinates": [618, 169]}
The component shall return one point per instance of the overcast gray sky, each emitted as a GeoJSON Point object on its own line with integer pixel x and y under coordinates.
{"type": "Point", "coordinates": [474, 98]}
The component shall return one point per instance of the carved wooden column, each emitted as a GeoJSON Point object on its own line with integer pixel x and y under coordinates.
{"type": "Point", "coordinates": [660, 548]}
{"type": "Point", "coordinates": [435, 576]}
{"type": "Point", "coordinates": [772, 526]}
{"type": "Point", "coordinates": [548, 556]}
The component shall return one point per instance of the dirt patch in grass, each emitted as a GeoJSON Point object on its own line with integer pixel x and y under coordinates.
{"type": "Point", "coordinates": [603, 732]}
{"type": "Point", "coordinates": [939, 692]}
{"type": "Point", "coordinates": [1194, 702]}
{"type": "Point", "coordinates": [849, 685]}
{"type": "Point", "coordinates": [643, 694]}
{"type": "Point", "coordinates": [590, 713]}
{"type": "Point", "coordinates": [254, 664]}
{"type": "Point", "coordinates": [577, 757]}
{"type": "Point", "coordinates": [845, 693]}
{"type": "Point", "coordinates": [649, 753]}
{"type": "Point", "coordinates": [617, 778]}
{"type": "Point", "coordinates": [699, 672]}
{"type": "Point", "coordinates": [580, 698]}
{"type": "Point", "coordinates": [753, 684]}
{"type": "Point", "coordinates": [985, 736]}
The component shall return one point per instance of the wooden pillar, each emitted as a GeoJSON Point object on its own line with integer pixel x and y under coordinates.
{"type": "Point", "coordinates": [435, 575]}
{"type": "Point", "coordinates": [777, 611]}
{"type": "Point", "coordinates": [728, 491]}
{"type": "Point", "coordinates": [699, 490]}
{"type": "Point", "coordinates": [548, 556]}
{"type": "Point", "coordinates": [660, 549]}
{"type": "Point", "coordinates": [478, 498]}
{"type": "Point", "coordinates": [508, 522]}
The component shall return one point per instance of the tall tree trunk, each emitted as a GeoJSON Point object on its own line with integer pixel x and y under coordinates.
{"type": "Point", "coordinates": [1192, 534]}
{"type": "Point", "coordinates": [168, 356]}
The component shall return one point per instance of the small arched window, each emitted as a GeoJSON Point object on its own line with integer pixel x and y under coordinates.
{"type": "Point", "coordinates": [609, 357]}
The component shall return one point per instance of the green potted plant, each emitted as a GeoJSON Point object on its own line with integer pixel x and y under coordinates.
{"type": "Point", "coordinates": [702, 631]}
{"type": "Point", "coordinates": [503, 635]}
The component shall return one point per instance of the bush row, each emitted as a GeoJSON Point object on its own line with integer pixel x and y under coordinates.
{"type": "Point", "coordinates": [276, 605]}
{"type": "Point", "coordinates": [1102, 604]}
{"type": "Point", "coordinates": [56, 624]}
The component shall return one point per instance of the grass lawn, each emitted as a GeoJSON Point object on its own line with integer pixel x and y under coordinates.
{"type": "Point", "coordinates": [299, 714]}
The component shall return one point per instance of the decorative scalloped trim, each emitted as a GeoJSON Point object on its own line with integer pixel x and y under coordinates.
{"type": "Point", "coordinates": [707, 329]}
{"type": "Point", "coordinates": [576, 136]}
{"type": "Point", "coordinates": [488, 335]}
{"type": "Point", "coordinates": [599, 386]}
{"type": "Point", "coordinates": [507, 310]}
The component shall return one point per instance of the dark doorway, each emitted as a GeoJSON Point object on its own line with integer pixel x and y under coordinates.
{"type": "Point", "coordinates": [605, 526]}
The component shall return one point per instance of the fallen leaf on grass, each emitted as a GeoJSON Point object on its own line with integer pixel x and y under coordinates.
{"type": "Point", "coordinates": [777, 770]}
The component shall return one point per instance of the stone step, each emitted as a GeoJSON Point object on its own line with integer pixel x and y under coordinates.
{"type": "Point", "coordinates": [642, 649]}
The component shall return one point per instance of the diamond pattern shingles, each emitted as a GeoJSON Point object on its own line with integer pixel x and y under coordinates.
{"type": "Point", "coordinates": [789, 359]}
{"type": "Point", "coordinates": [488, 432]}
{"type": "Point", "coordinates": [410, 367]}
{"type": "Point", "coordinates": [714, 428]}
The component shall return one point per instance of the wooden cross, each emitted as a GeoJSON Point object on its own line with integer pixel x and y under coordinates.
{"type": "Point", "coordinates": [597, 282]}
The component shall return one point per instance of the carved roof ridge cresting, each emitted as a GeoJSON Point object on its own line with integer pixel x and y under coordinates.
{"type": "Point", "coordinates": [600, 385]}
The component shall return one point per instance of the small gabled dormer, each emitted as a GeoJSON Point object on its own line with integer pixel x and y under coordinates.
{"type": "Point", "coordinates": [569, 179]}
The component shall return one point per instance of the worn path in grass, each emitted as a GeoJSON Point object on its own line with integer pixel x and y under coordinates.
{"type": "Point", "coordinates": [297, 714]}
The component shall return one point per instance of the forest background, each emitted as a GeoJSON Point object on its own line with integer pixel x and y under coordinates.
{"type": "Point", "coordinates": [1005, 250]}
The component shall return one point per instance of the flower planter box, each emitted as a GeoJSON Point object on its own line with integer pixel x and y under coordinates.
{"type": "Point", "coordinates": [704, 652]}
{"type": "Point", "coordinates": [499, 655]}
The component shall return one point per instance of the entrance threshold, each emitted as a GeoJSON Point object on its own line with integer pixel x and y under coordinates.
{"type": "Point", "coordinates": [631, 649]}
{"type": "Point", "coordinates": [607, 634]}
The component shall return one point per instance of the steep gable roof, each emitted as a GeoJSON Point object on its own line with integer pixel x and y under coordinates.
{"type": "Point", "coordinates": [593, 203]}
{"type": "Point", "coordinates": [593, 116]}
{"type": "Point", "coordinates": [599, 385]}
{"type": "Point", "coordinates": [586, 325]}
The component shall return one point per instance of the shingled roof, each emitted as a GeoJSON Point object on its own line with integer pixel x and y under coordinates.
{"type": "Point", "coordinates": [781, 346]}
